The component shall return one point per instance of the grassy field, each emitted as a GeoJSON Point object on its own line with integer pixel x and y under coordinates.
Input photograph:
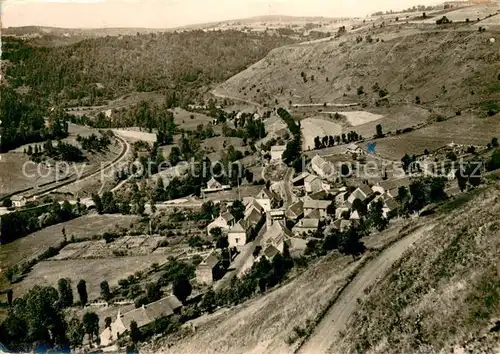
{"type": "Point", "coordinates": [465, 129]}
{"type": "Point", "coordinates": [93, 271]}
{"type": "Point", "coordinates": [36, 243]}
{"type": "Point", "coordinates": [312, 127]}
{"type": "Point", "coordinates": [183, 119]}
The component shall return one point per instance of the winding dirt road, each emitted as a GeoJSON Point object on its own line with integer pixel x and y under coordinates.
{"type": "Point", "coordinates": [335, 320]}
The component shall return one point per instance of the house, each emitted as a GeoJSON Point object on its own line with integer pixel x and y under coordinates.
{"type": "Point", "coordinates": [207, 271]}
{"type": "Point", "coordinates": [319, 195]}
{"type": "Point", "coordinates": [238, 234]}
{"type": "Point", "coordinates": [353, 149]}
{"type": "Point", "coordinates": [213, 184]}
{"type": "Point", "coordinates": [385, 186]}
{"type": "Point", "coordinates": [313, 184]}
{"type": "Point", "coordinates": [320, 205]}
{"type": "Point", "coordinates": [277, 152]}
{"type": "Point", "coordinates": [277, 234]}
{"type": "Point", "coordinates": [295, 211]}
{"type": "Point", "coordinates": [361, 193]}
{"type": "Point", "coordinates": [18, 201]}
{"type": "Point", "coordinates": [143, 316]}
{"type": "Point", "coordinates": [298, 181]}
{"type": "Point", "coordinates": [354, 215]}
{"type": "Point", "coordinates": [224, 221]}
{"type": "Point", "coordinates": [252, 217]}
{"type": "Point", "coordinates": [306, 226]}
{"type": "Point", "coordinates": [265, 198]}
{"type": "Point", "coordinates": [270, 251]}
{"type": "Point", "coordinates": [340, 210]}
{"type": "Point", "coordinates": [322, 168]}
{"type": "Point", "coordinates": [343, 225]}
{"type": "Point", "coordinates": [389, 205]}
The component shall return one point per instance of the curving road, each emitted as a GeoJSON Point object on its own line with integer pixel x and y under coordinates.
{"type": "Point", "coordinates": [323, 336]}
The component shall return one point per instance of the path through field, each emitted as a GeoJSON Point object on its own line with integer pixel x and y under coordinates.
{"type": "Point", "coordinates": [336, 318]}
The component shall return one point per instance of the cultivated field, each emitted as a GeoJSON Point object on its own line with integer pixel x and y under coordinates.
{"type": "Point", "coordinates": [125, 246]}
{"type": "Point", "coordinates": [93, 271]}
{"type": "Point", "coordinates": [183, 119]}
{"type": "Point", "coordinates": [136, 134]}
{"type": "Point", "coordinates": [356, 118]}
{"type": "Point", "coordinates": [313, 127]}
{"type": "Point", "coordinates": [472, 13]}
{"type": "Point", "coordinates": [466, 129]}
{"type": "Point", "coordinates": [30, 246]}
{"type": "Point", "coordinates": [493, 21]}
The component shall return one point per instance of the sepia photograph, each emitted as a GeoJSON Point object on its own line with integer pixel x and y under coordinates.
{"type": "Point", "coordinates": [250, 176]}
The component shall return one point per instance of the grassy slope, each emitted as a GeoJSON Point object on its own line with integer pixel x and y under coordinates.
{"type": "Point", "coordinates": [443, 293]}
{"type": "Point", "coordinates": [420, 61]}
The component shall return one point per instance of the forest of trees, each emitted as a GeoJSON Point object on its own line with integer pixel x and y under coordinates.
{"type": "Point", "coordinates": [23, 120]}
{"type": "Point", "coordinates": [195, 58]}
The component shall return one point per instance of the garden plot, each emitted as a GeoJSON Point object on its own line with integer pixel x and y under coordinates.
{"type": "Point", "coordinates": [313, 127]}
{"type": "Point", "coordinates": [356, 118]}
{"type": "Point", "coordinates": [93, 271]}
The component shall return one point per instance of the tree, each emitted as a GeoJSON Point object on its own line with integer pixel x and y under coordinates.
{"type": "Point", "coordinates": [417, 100]}
{"type": "Point", "coordinates": [175, 156]}
{"type": "Point", "coordinates": [135, 333]}
{"type": "Point", "coordinates": [75, 333]}
{"type": "Point", "coordinates": [65, 292]}
{"type": "Point", "coordinates": [360, 90]}
{"type": "Point", "coordinates": [379, 133]}
{"type": "Point", "coordinates": [494, 142]}
{"type": "Point", "coordinates": [105, 293]}
{"type": "Point", "coordinates": [107, 322]}
{"type": "Point", "coordinates": [209, 301]}
{"type": "Point", "coordinates": [317, 143]}
{"type": "Point", "coordinates": [91, 325]}
{"type": "Point", "coordinates": [182, 288]}
{"type": "Point", "coordinates": [97, 202]}
{"type": "Point", "coordinates": [35, 321]}
{"type": "Point", "coordinates": [222, 242]}
{"type": "Point", "coordinates": [350, 243]}
{"type": "Point", "coordinates": [153, 291]}
{"type": "Point", "coordinates": [9, 296]}
{"type": "Point", "coordinates": [237, 209]}
{"type": "Point", "coordinates": [7, 203]}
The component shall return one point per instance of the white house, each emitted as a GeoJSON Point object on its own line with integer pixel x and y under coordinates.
{"type": "Point", "coordinates": [142, 316]}
{"type": "Point", "coordinates": [238, 234]}
{"type": "Point", "coordinates": [265, 199]}
{"type": "Point", "coordinates": [18, 201]}
{"type": "Point", "coordinates": [224, 221]}
{"type": "Point", "coordinates": [277, 152]}
{"type": "Point", "coordinates": [323, 168]}
{"type": "Point", "coordinates": [361, 193]}
{"type": "Point", "coordinates": [353, 149]}
{"type": "Point", "coordinates": [312, 184]}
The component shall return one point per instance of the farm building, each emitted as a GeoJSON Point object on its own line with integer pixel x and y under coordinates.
{"type": "Point", "coordinates": [18, 201]}
{"type": "Point", "coordinates": [319, 205]}
{"type": "Point", "coordinates": [142, 316]}
{"type": "Point", "coordinates": [206, 272]}
{"type": "Point", "coordinates": [385, 186]}
{"type": "Point", "coordinates": [214, 186]}
{"type": "Point", "coordinates": [361, 193]}
{"type": "Point", "coordinates": [224, 221]}
{"type": "Point", "coordinates": [238, 234]}
{"type": "Point", "coordinates": [277, 234]}
{"type": "Point", "coordinates": [322, 168]}
{"type": "Point", "coordinates": [306, 226]}
{"type": "Point", "coordinates": [353, 149]}
{"type": "Point", "coordinates": [299, 180]}
{"type": "Point", "coordinates": [277, 152]}
{"type": "Point", "coordinates": [265, 198]}
{"type": "Point", "coordinates": [389, 205]}
{"type": "Point", "coordinates": [312, 184]}
{"type": "Point", "coordinates": [295, 211]}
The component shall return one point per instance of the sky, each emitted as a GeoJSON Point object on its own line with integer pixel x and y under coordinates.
{"type": "Point", "coordinates": [173, 13]}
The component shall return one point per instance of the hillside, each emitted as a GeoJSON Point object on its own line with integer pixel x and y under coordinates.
{"type": "Point", "coordinates": [445, 287]}
{"type": "Point", "coordinates": [98, 69]}
{"type": "Point", "coordinates": [443, 293]}
{"type": "Point", "coordinates": [405, 60]}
